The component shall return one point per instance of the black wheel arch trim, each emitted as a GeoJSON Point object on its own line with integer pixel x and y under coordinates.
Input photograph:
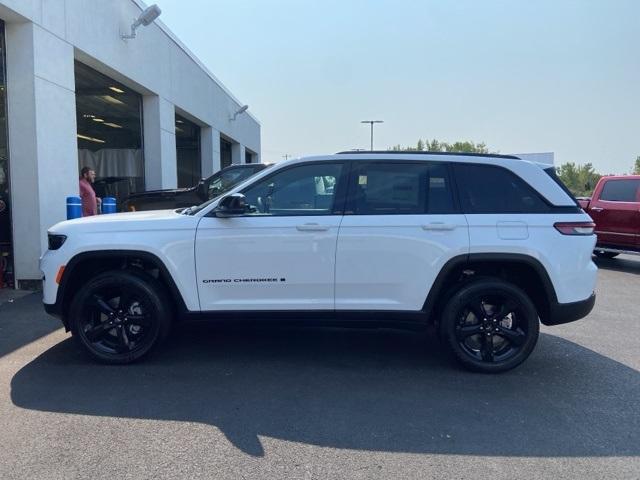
{"type": "Point", "coordinates": [435, 294]}
{"type": "Point", "coordinates": [58, 309]}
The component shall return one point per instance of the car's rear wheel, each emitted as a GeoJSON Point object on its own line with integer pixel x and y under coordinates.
{"type": "Point", "coordinates": [490, 325]}
{"type": "Point", "coordinates": [603, 254]}
{"type": "Point", "coordinates": [120, 316]}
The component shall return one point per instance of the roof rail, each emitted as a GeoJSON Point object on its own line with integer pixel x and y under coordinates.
{"type": "Point", "coordinates": [424, 152]}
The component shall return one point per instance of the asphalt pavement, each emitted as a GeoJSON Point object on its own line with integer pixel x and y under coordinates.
{"type": "Point", "coordinates": [274, 403]}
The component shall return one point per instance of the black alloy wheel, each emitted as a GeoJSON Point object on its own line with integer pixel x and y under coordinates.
{"type": "Point", "coordinates": [119, 316]}
{"type": "Point", "coordinates": [490, 325]}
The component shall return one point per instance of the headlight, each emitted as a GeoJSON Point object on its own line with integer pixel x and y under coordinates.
{"type": "Point", "coordinates": [56, 241]}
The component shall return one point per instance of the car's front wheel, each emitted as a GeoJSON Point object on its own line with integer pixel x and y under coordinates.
{"type": "Point", "coordinates": [120, 316]}
{"type": "Point", "coordinates": [490, 325]}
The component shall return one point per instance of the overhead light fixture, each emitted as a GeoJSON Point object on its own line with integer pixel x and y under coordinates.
{"type": "Point", "coordinates": [91, 139]}
{"type": "Point", "coordinates": [179, 121]}
{"type": "Point", "coordinates": [110, 99]}
{"type": "Point", "coordinates": [113, 125]}
{"type": "Point", "coordinates": [146, 18]}
{"type": "Point", "coordinates": [99, 120]}
{"type": "Point", "coordinates": [88, 115]}
{"type": "Point", "coordinates": [240, 111]}
{"type": "Point", "coordinates": [116, 89]}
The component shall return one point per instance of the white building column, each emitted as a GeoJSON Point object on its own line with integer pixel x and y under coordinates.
{"type": "Point", "coordinates": [160, 167]}
{"type": "Point", "coordinates": [43, 148]}
{"type": "Point", "coordinates": [237, 153]}
{"type": "Point", "coordinates": [209, 151]}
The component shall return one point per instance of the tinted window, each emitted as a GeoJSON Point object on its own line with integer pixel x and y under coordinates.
{"type": "Point", "coordinates": [227, 179]}
{"type": "Point", "coordinates": [489, 189]}
{"type": "Point", "coordinates": [620, 190]}
{"type": "Point", "coordinates": [302, 190]}
{"type": "Point", "coordinates": [401, 188]}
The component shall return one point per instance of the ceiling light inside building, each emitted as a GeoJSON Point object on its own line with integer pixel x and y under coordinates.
{"type": "Point", "coordinates": [99, 120]}
{"type": "Point", "coordinates": [113, 125]}
{"type": "Point", "coordinates": [91, 139]}
{"type": "Point", "coordinates": [116, 89]}
{"type": "Point", "coordinates": [88, 115]}
{"type": "Point", "coordinates": [112, 100]}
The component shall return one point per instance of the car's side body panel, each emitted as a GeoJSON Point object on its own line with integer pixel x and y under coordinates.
{"type": "Point", "coordinates": [266, 263]}
{"type": "Point", "coordinates": [164, 234]}
{"type": "Point", "coordinates": [567, 259]}
{"type": "Point", "coordinates": [389, 262]}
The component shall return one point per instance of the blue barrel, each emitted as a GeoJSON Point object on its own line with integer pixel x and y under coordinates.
{"type": "Point", "coordinates": [108, 205]}
{"type": "Point", "coordinates": [74, 207]}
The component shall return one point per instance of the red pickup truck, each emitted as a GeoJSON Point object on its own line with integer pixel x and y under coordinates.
{"type": "Point", "coordinates": [615, 208]}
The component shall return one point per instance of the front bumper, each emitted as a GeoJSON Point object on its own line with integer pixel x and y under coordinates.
{"type": "Point", "coordinates": [560, 313]}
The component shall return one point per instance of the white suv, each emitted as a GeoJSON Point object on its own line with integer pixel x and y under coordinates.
{"type": "Point", "coordinates": [482, 246]}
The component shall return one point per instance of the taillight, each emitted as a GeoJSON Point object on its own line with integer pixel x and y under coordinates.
{"type": "Point", "coordinates": [575, 228]}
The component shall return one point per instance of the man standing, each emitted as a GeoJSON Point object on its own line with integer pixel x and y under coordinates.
{"type": "Point", "coordinates": [87, 194]}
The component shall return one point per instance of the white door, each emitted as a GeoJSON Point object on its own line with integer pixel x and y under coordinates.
{"type": "Point", "coordinates": [281, 254]}
{"type": "Point", "coordinates": [400, 227]}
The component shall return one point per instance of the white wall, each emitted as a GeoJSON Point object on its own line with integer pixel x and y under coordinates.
{"type": "Point", "coordinates": [43, 151]}
{"type": "Point", "coordinates": [43, 39]}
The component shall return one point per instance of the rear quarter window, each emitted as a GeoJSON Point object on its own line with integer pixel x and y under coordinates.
{"type": "Point", "coordinates": [491, 189]}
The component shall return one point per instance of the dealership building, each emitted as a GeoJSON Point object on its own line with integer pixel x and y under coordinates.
{"type": "Point", "coordinates": [143, 112]}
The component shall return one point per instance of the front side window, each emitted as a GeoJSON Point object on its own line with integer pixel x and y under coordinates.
{"type": "Point", "coordinates": [624, 190]}
{"type": "Point", "coordinates": [395, 188]}
{"type": "Point", "coordinates": [300, 190]}
{"type": "Point", "coordinates": [490, 189]}
{"type": "Point", "coordinates": [227, 179]}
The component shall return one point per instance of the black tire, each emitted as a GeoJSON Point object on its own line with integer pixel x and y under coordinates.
{"type": "Point", "coordinates": [120, 316]}
{"type": "Point", "coordinates": [602, 254]}
{"type": "Point", "coordinates": [490, 325]}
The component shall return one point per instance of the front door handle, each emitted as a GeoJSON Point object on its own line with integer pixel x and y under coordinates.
{"type": "Point", "coordinates": [596, 209]}
{"type": "Point", "coordinates": [438, 226]}
{"type": "Point", "coordinates": [312, 227]}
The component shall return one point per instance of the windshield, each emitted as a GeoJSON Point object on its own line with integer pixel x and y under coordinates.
{"type": "Point", "coordinates": [221, 183]}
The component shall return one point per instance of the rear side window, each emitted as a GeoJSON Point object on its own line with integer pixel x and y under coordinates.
{"type": "Point", "coordinates": [490, 189]}
{"type": "Point", "coordinates": [623, 190]}
{"type": "Point", "coordinates": [395, 188]}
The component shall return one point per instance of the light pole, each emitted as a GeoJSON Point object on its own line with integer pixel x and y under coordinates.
{"type": "Point", "coordinates": [371, 122]}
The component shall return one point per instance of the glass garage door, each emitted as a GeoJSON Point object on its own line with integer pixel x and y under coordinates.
{"type": "Point", "coordinates": [6, 250]}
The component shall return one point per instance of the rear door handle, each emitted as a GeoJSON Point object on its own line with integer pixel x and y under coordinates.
{"type": "Point", "coordinates": [438, 226]}
{"type": "Point", "coordinates": [313, 227]}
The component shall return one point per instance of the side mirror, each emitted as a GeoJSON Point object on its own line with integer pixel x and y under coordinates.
{"type": "Point", "coordinates": [201, 190]}
{"type": "Point", "coordinates": [231, 206]}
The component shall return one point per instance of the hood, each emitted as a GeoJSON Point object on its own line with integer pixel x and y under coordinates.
{"type": "Point", "coordinates": [160, 192]}
{"type": "Point", "coordinates": [127, 222]}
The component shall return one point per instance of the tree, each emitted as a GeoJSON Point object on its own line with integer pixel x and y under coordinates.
{"type": "Point", "coordinates": [580, 179]}
{"type": "Point", "coordinates": [436, 146]}
{"type": "Point", "coordinates": [636, 167]}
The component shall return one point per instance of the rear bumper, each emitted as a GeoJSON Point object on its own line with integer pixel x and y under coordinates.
{"type": "Point", "coordinates": [570, 312]}
{"type": "Point", "coordinates": [52, 309]}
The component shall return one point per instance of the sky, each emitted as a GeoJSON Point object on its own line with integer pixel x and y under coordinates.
{"type": "Point", "coordinates": [522, 76]}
